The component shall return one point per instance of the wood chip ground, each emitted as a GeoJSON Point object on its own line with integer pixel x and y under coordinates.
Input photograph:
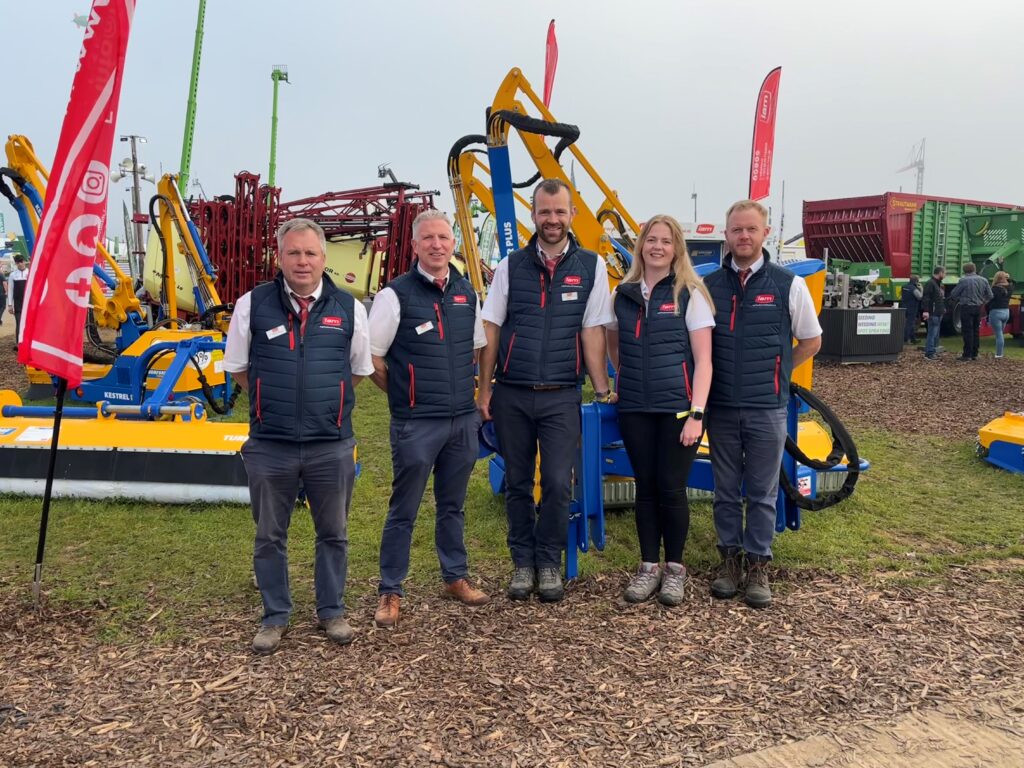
{"type": "Point", "coordinates": [587, 682]}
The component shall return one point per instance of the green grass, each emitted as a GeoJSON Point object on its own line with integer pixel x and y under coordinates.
{"type": "Point", "coordinates": [926, 504]}
{"type": "Point", "coordinates": [1012, 347]}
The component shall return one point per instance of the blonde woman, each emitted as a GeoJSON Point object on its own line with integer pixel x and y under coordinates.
{"type": "Point", "coordinates": [999, 308]}
{"type": "Point", "coordinates": [660, 346]}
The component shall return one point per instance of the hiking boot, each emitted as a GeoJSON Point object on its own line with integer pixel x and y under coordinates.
{"type": "Point", "coordinates": [758, 594]}
{"type": "Point", "coordinates": [268, 638]}
{"type": "Point", "coordinates": [549, 585]}
{"type": "Point", "coordinates": [644, 583]}
{"type": "Point", "coordinates": [932, 357]}
{"type": "Point", "coordinates": [672, 584]}
{"type": "Point", "coordinates": [337, 629]}
{"type": "Point", "coordinates": [963, 358]}
{"type": "Point", "coordinates": [730, 575]}
{"type": "Point", "coordinates": [464, 592]}
{"type": "Point", "coordinates": [386, 616]}
{"type": "Point", "coordinates": [523, 582]}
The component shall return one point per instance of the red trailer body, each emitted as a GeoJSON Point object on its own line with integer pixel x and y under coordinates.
{"type": "Point", "coordinates": [909, 233]}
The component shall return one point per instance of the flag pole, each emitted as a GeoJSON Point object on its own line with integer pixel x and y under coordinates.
{"type": "Point", "coordinates": [37, 581]}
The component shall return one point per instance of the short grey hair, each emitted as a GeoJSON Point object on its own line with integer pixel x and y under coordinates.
{"type": "Point", "coordinates": [298, 225]}
{"type": "Point", "coordinates": [430, 214]}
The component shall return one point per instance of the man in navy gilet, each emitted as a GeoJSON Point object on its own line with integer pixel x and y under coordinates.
{"type": "Point", "coordinates": [299, 345]}
{"type": "Point", "coordinates": [424, 329]}
{"type": "Point", "coordinates": [544, 315]}
{"type": "Point", "coordinates": [760, 308]}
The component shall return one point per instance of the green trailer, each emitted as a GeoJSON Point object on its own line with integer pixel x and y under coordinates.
{"type": "Point", "coordinates": [996, 243]}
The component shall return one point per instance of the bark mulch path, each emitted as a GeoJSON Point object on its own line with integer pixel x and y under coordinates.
{"type": "Point", "coordinates": [586, 682]}
{"type": "Point", "coordinates": [12, 375]}
{"type": "Point", "coordinates": [915, 396]}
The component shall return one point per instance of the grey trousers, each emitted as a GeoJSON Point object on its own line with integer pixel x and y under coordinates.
{"type": "Point", "coordinates": [449, 449]}
{"type": "Point", "coordinates": [326, 470]}
{"type": "Point", "coordinates": [746, 455]}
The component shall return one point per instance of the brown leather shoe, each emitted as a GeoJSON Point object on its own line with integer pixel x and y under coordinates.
{"type": "Point", "coordinates": [464, 592]}
{"type": "Point", "coordinates": [386, 616]}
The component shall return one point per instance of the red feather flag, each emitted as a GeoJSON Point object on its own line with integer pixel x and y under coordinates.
{"type": "Point", "coordinates": [75, 213]}
{"type": "Point", "coordinates": [763, 145]}
{"type": "Point", "coordinates": [550, 63]}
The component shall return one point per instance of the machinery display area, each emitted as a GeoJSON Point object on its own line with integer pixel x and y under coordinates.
{"type": "Point", "coordinates": [389, 593]}
{"type": "Point", "coordinates": [196, 246]}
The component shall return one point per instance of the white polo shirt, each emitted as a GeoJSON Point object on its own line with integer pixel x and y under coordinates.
{"type": "Point", "coordinates": [236, 348]}
{"type": "Point", "coordinates": [598, 310]}
{"type": "Point", "coordinates": [386, 315]}
{"type": "Point", "coordinates": [803, 317]}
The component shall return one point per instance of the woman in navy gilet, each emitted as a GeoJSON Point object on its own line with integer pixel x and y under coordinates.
{"type": "Point", "coordinates": [660, 345]}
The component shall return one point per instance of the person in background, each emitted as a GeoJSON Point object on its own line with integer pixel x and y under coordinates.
{"type": "Point", "coordinates": [972, 292]}
{"type": "Point", "coordinates": [3, 293]}
{"type": "Point", "coordinates": [663, 359]}
{"type": "Point", "coordinates": [933, 306]}
{"type": "Point", "coordinates": [910, 301]}
{"type": "Point", "coordinates": [999, 308]}
{"type": "Point", "coordinates": [16, 283]}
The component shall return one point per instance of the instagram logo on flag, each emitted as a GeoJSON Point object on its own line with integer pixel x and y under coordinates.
{"type": "Point", "coordinates": [94, 183]}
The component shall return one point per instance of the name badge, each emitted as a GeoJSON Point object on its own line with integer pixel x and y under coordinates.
{"type": "Point", "coordinates": [570, 296]}
{"type": "Point", "coordinates": [421, 329]}
{"type": "Point", "coordinates": [273, 333]}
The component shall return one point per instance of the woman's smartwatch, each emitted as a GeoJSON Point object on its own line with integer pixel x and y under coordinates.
{"type": "Point", "coordinates": [697, 414]}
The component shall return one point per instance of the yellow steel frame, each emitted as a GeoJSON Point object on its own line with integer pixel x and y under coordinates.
{"type": "Point", "coordinates": [108, 312]}
{"type": "Point", "coordinates": [588, 225]}
{"type": "Point", "coordinates": [173, 220]}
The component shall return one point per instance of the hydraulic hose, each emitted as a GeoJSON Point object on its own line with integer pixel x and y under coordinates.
{"type": "Point", "coordinates": [208, 393]}
{"type": "Point", "coordinates": [459, 146]}
{"type": "Point", "coordinates": [842, 444]}
{"type": "Point", "coordinates": [566, 132]}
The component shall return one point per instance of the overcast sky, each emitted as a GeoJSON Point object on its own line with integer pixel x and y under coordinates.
{"type": "Point", "coordinates": [663, 92]}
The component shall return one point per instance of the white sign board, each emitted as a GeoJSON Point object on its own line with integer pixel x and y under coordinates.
{"type": "Point", "coordinates": [874, 323]}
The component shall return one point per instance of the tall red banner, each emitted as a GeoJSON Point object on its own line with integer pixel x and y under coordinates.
{"type": "Point", "coordinates": [763, 146]}
{"type": "Point", "coordinates": [550, 63]}
{"type": "Point", "coordinates": [75, 212]}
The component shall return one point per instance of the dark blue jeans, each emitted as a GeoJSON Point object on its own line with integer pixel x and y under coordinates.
{"type": "Point", "coordinates": [746, 456]}
{"type": "Point", "coordinates": [931, 344]}
{"type": "Point", "coordinates": [523, 418]}
{"type": "Point", "coordinates": [326, 470]}
{"type": "Point", "coordinates": [449, 449]}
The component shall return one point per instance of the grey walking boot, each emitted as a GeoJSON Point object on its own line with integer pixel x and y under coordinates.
{"type": "Point", "coordinates": [672, 584]}
{"type": "Point", "coordinates": [522, 584]}
{"type": "Point", "coordinates": [758, 593]}
{"type": "Point", "coordinates": [268, 638]}
{"type": "Point", "coordinates": [729, 578]}
{"type": "Point", "coordinates": [338, 630]}
{"type": "Point", "coordinates": [643, 584]}
{"type": "Point", "coordinates": [549, 585]}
